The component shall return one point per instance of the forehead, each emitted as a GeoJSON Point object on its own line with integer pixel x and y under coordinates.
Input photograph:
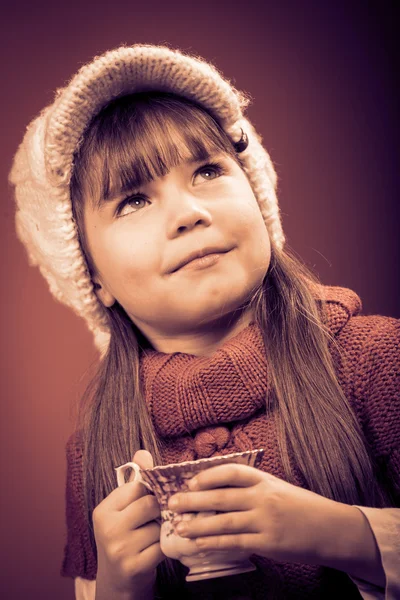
{"type": "Point", "coordinates": [129, 147]}
{"type": "Point", "coordinates": [131, 175]}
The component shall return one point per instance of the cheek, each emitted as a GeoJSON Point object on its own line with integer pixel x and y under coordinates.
{"type": "Point", "coordinates": [255, 238]}
{"type": "Point", "coordinates": [250, 223]}
{"type": "Point", "coordinates": [122, 256]}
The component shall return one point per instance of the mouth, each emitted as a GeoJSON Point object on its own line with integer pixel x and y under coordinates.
{"type": "Point", "coordinates": [204, 262]}
{"type": "Point", "coordinates": [201, 259]}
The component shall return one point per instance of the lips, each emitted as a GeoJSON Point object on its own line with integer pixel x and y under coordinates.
{"type": "Point", "coordinates": [199, 254]}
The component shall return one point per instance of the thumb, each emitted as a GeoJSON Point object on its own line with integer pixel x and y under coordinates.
{"type": "Point", "coordinates": [144, 459]}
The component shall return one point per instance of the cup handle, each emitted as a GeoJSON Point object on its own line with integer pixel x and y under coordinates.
{"type": "Point", "coordinates": [138, 476]}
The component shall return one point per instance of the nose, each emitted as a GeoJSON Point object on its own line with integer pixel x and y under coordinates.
{"type": "Point", "coordinates": [186, 212]}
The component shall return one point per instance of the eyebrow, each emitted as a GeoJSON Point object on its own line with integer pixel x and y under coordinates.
{"type": "Point", "coordinates": [134, 184]}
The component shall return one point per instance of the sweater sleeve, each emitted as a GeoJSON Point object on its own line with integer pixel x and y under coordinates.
{"type": "Point", "coordinates": [373, 345]}
{"type": "Point", "coordinates": [378, 385]}
{"type": "Point", "coordinates": [385, 525]}
{"type": "Point", "coordinates": [79, 557]}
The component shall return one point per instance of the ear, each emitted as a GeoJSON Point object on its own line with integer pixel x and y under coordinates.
{"type": "Point", "coordinates": [102, 293]}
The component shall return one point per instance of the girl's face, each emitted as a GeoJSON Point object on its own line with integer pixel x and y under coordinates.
{"type": "Point", "coordinates": [139, 238]}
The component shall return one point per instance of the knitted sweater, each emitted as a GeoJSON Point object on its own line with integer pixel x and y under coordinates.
{"type": "Point", "coordinates": [208, 406]}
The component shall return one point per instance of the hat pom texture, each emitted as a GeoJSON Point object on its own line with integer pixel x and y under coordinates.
{"type": "Point", "coordinates": [43, 164]}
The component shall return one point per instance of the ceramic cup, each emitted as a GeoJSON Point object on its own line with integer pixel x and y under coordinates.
{"type": "Point", "coordinates": [163, 482]}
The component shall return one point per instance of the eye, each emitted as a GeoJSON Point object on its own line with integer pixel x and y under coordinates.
{"type": "Point", "coordinates": [132, 202]}
{"type": "Point", "coordinates": [211, 170]}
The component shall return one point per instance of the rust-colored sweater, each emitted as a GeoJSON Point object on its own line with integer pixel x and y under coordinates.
{"type": "Point", "coordinates": [205, 406]}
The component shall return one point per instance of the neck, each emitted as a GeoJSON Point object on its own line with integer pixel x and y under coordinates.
{"type": "Point", "coordinates": [201, 342]}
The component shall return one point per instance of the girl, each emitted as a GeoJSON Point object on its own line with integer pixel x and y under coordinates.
{"type": "Point", "coordinates": [148, 202]}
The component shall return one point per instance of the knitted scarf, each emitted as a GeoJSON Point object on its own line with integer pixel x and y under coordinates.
{"type": "Point", "coordinates": [190, 397]}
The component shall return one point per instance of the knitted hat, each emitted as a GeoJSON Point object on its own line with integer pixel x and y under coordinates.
{"type": "Point", "coordinates": [42, 167]}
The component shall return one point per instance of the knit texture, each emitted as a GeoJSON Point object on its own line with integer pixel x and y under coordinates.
{"type": "Point", "coordinates": [43, 165]}
{"type": "Point", "coordinates": [209, 406]}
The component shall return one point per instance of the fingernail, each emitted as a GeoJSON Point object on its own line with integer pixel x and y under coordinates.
{"type": "Point", "coordinates": [181, 528]}
{"type": "Point", "coordinates": [173, 502]}
{"type": "Point", "coordinates": [193, 484]}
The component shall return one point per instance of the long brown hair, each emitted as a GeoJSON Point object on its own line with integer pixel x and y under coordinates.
{"type": "Point", "coordinates": [315, 421]}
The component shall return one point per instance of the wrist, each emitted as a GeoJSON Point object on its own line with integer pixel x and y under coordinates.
{"type": "Point", "coordinates": [348, 544]}
{"type": "Point", "coordinates": [105, 593]}
{"type": "Point", "coordinates": [143, 590]}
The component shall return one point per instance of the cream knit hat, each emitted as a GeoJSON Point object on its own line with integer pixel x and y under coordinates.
{"type": "Point", "coordinates": [43, 164]}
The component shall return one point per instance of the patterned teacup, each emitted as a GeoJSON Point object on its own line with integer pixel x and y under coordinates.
{"type": "Point", "coordinates": [163, 482]}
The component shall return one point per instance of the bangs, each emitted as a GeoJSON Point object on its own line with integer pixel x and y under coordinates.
{"type": "Point", "coordinates": [136, 139]}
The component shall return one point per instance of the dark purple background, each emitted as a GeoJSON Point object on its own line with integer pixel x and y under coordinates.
{"type": "Point", "coordinates": [322, 78]}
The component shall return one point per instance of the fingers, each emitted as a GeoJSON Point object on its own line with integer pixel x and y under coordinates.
{"type": "Point", "coordinates": [229, 523]}
{"type": "Point", "coordinates": [232, 474]}
{"type": "Point", "coordinates": [135, 531]}
{"type": "Point", "coordinates": [145, 536]}
{"type": "Point", "coordinates": [123, 496]}
{"type": "Point", "coordinates": [244, 542]}
{"type": "Point", "coordinates": [137, 554]}
{"type": "Point", "coordinates": [221, 500]}
{"type": "Point", "coordinates": [142, 511]}
{"type": "Point", "coordinates": [151, 556]}
{"type": "Point", "coordinates": [144, 459]}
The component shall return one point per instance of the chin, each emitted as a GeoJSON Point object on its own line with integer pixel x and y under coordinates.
{"type": "Point", "coordinates": [213, 312]}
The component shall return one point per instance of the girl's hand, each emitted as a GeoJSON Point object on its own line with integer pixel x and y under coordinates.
{"type": "Point", "coordinates": [261, 514]}
{"type": "Point", "coordinates": [128, 539]}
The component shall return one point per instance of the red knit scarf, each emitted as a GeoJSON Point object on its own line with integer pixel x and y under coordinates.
{"type": "Point", "coordinates": [189, 394]}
